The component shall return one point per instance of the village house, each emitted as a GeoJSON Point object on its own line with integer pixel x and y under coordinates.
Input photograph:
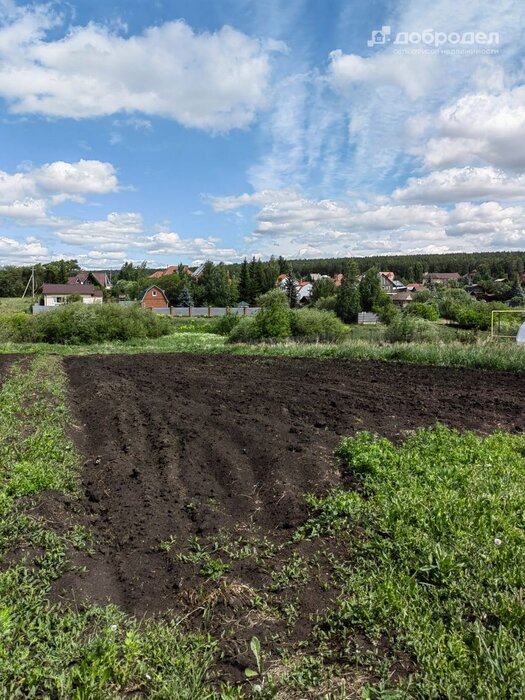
{"type": "Point", "coordinates": [402, 299]}
{"type": "Point", "coordinates": [99, 279]}
{"type": "Point", "coordinates": [389, 284]}
{"type": "Point", "coordinates": [440, 277]}
{"type": "Point", "coordinates": [58, 294]}
{"type": "Point", "coordinates": [154, 298]}
{"type": "Point", "coordinates": [304, 288]}
{"type": "Point", "coordinates": [304, 291]}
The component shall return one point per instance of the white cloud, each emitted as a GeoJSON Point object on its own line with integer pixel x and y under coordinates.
{"type": "Point", "coordinates": [414, 77]}
{"type": "Point", "coordinates": [24, 252]}
{"type": "Point", "coordinates": [213, 81]}
{"type": "Point", "coordinates": [459, 184]}
{"type": "Point", "coordinates": [59, 181]}
{"type": "Point", "coordinates": [169, 243]}
{"type": "Point", "coordinates": [481, 127]}
{"type": "Point", "coordinates": [117, 231]}
{"type": "Point", "coordinates": [295, 226]}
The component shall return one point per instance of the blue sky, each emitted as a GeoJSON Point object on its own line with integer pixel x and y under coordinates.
{"type": "Point", "coordinates": [185, 131]}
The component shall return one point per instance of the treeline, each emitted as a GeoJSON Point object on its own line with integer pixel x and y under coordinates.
{"type": "Point", "coordinates": [410, 268]}
{"type": "Point", "coordinates": [14, 278]}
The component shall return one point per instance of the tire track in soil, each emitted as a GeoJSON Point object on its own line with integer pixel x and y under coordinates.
{"type": "Point", "coordinates": [185, 445]}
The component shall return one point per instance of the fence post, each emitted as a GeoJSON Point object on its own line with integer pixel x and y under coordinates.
{"type": "Point", "coordinates": [209, 311]}
{"type": "Point", "coordinates": [189, 311]}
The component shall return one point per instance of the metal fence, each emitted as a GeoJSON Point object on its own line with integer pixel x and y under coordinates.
{"type": "Point", "coordinates": [210, 311]}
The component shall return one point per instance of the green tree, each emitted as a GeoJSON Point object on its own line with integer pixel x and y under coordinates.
{"type": "Point", "coordinates": [172, 286]}
{"type": "Point", "coordinates": [347, 304]}
{"type": "Point", "coordinates": [290, 288]}
{"type": "Point", "coordinates": [185, 298]}
{"type": "Point", "coordinates": [244, 282]}
{"type": "Point", "coordinates": [273, 320]}
{"type": "Point", "coordinates": [215, 285]}
{"type": "Point", "coordinates": [369, 289]}
{"type": "Point", "coordinates": [322, 288]}
{"type": "Point", "coordinates": [256, 283]}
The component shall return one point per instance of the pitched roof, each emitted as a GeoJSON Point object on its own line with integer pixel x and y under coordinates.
{"type": "Point", "coordinates": [87, 290]}
{"type": "Point", "coordinates": [444, 275]}
{"type": "Point", "coordinates": [82, 277]}
{"type": "Point", "coordinates": [169, 271]}
{"type": "Point", "coordinates": [162, 273]}
{"type": "Point", "coordinates": [401, 296]}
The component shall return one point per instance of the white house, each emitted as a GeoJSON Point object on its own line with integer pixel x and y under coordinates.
{"type": "Point", "coordinates": [304, 291]}
{"type": "Point", "coordinates": [58, 294]}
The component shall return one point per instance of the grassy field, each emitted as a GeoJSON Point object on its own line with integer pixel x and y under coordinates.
{"type": "Point", "coordinates": [14, 305]}
{"type": "Point", "coordinates": [429, 588]}
{"type": "Point", "coordinates": [491, 356]}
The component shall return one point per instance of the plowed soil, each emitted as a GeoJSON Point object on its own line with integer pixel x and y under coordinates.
{"type": "Point", "coordinates": [179, 447]}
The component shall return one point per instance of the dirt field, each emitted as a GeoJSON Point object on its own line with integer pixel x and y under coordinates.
{"type": "Point", "coordinates": [180, 447]}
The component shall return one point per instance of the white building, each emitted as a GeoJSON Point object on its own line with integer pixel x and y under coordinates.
{"type": "Point", "coordinates": [58, 294]}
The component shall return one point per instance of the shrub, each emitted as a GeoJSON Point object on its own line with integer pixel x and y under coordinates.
{"type": "Point", "coordinates": [13, 326]}
{"type": "Point", "coordinates": [385, 308]}
{"type": "Point", "coordinates": [410, 329]}
{"type": "Point", "coordinates": [423, 310]}
{"type": "Point", "coordinates": [273, 320]}
{"type": "Point", "coordinates": [79, 323]}
{"type": "Point", "coordinates": [245, 331]}
{"type": "Point", "coordinates": [476, 315]}
{"type": "Point", "coordinates": [326, 303]}
{"type": "Point", "coordinates": [314, 324]}
{"type": "Point", "coordinates": [224, 324]}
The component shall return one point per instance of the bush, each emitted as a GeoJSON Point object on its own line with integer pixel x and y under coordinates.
{"type": "Point", "coordinates": [224, 324]}
{"type": "Point", "coordinates": [423, 310]}
{"type": "Point", "coordinates": [245, 331]}
{"type": "Point", "coordinates": [13, 326]}
{"type": "Point", "coordinates": [80, 323]}
{"type": "Point", "coordinates": [476, 315]}
{"type": "Point", "coordinates": [314, 324]}
{"type": "Point", "coordinates": [273, 320]}
{"type": "Point", "coordinates": [326, 303]}
{"type": "Point", "coordinates": [410, 329]}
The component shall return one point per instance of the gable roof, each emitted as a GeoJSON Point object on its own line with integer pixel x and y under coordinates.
{"type": "Point", "coordinates": [85, 290]}
{"type": "Point", "coordinates": [162, 273]}
{"type": "Point", "coordinates": [83, 276]}
{"type": "Point", "coordinates": [169, 271]}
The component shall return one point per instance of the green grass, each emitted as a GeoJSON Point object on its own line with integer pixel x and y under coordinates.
{"type": "Point", "coordinates": [66, 653]}
{"type": "Point", "coordinates": [14, 305]}
{"type": "Point", "coordinates": [490, 356]}
{"type": "Point", "coordinates": [436, 576]}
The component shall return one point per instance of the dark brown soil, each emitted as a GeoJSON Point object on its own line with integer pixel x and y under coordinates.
{"type": "Point", "coordinates": [5, 362]}
{"type": "Point", "coordinates": [185, 446]}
